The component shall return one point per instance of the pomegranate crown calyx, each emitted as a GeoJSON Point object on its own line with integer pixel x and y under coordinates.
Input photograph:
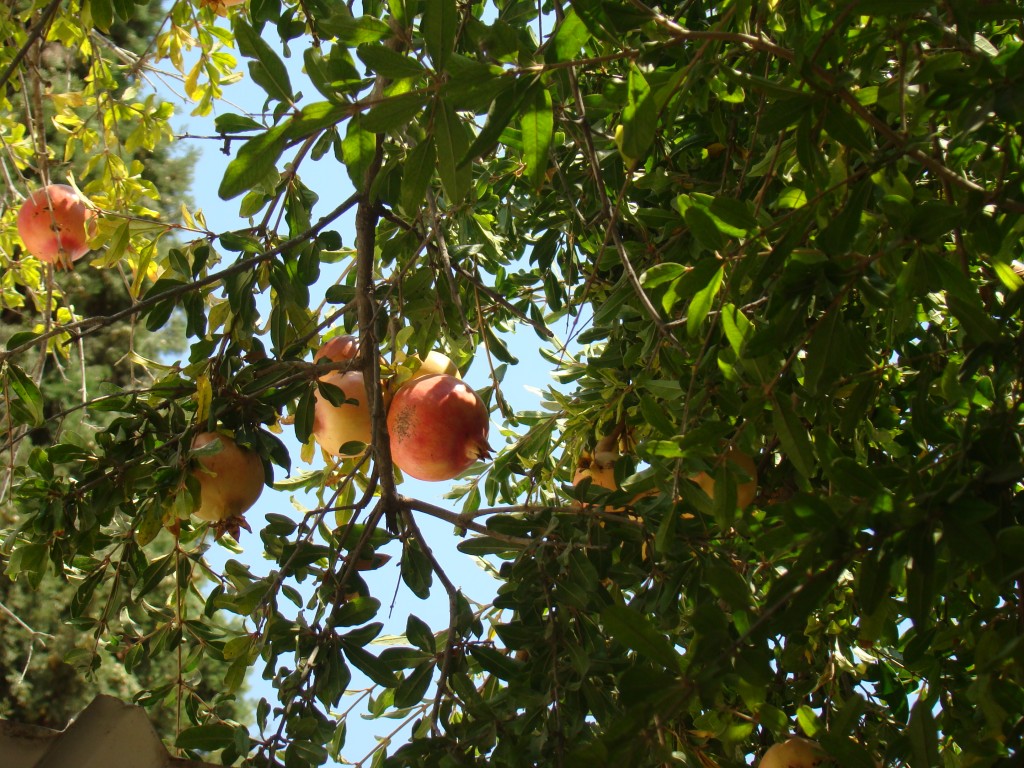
{"type": "Point", "coordinates": [478, 449]}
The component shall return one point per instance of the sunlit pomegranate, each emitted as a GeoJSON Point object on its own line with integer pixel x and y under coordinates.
{"type": "Point", "coordinates": [54, 223]}
{"type": "Point", "coordinates": [438, 427]}
{"type": "Point", "coordinates": [411, 368]}
{"type": "Point", "coordinates": [600, 474]}
{"type": "Point", "coordinates": [335, 425]}
{"type": "Point", "coordinates": [230, 480]}
{"type": "Point", "coordinates": [337, 350]}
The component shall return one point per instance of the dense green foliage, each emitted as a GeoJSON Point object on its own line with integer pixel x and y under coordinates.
{"type": "Point", "coordinates": [782, 228]}
{"type": "Point", "coordinates": [39, 642]}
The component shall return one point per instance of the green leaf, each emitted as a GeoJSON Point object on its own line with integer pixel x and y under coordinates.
{"type": "Point", "coordinates": [417, 571]}
{"type": "Point", "coordinates": [358, 148]}
{"type": "Point", "coordinates": [978, 324]}
{"type": "Point", "coordinates": [440, 23]}
{"type": "Point", "coordinates": [538, 124]}
{"type": "Point", "coordinates": [639, 118]}
{"type": "Point", "coordinates": [354, 31]}
{"type": "Point", "coordinates": [27, 393]}
{"type": "Point", "coordinates": [28, 559]}
{"type": "Point", "coordinates": [824, 354]}
{"type": "Point", "coordinates": [418, 633]}
{"type": "Point", "coordinates": [660, 274]}
{"type": "Point", "coordinates": [268, 70]}
{"type": "Point", "coordinates": [304, 414]}
{"type": "Point", "coordinates": [370, 665]}
{"type": "Point", "coordinates": [155, 572]}
{"type": "Point", "coordinates": [837, 238]}
{"type": "Point", "coordinates": [102, 12]}
{"type": "Point", "coordinates": [452, 143]}
{"type": "Point", "coordinates": [256, 159]}
{"type": "Point", "coordinates": [393, 112]}
{"type": "Point", "coordinates": [206, 738]}
{"type": "Point", "coordinates": [569, 38]}
{"type": "Point", "coordinates": [414, 687]}
{"type": "Point", "coordinates": [844, 128]}
{"type": "Point", "coordinates": [793, 436]}
{"type": "Point", "coordinates": [631, 628]}
{"type": "Point", "coordinates": [737, 327]}
{"type": "Point", "coordinates": [315, 117]}
{"type": "Point", "coordinates": [389, 63]}
{"type": "Point", "coordinates": [727, 584]}
{"type": "Point", "coordinates": [497, 663]}
{"type": "Point", "coordinates": [923, 739]}
{"type": "Point", "coordinates": [704, 229]}
{"type": "Point", "coordinates": [504, 108]}
{"type": "Point", "coordinates": [417, 171]}
{"type": "Point", "coordinates": [702, 302]}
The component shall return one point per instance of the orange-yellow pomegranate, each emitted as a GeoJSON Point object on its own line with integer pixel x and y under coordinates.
{"type": "Point", "coordinates": [335, 425]}
{"type": "Point", "coordinates": [438, 427]}
{"type": "Point", "coordinates": [746, 490]}
{"type": "Point", "coordinates": [600, 474]}
{"type": "Point", "coordinates": [795, 752]}
{"type": "Point", "coordinates": [54, 223]}
{"type": "Point", "coordinates": [337, 350]}
{"type": "Point", "coordinates": [230, 480]}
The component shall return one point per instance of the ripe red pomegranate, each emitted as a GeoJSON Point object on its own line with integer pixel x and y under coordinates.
{"type": "Point", "coordinates": [410, 368]}
{"type": "Point", "coordinates": [438, 427]}
{"type": "Point", "coordinates": [230, 480]}
{"type": "Point", "coordinates": [335, 425]}
{"type": "Point", "coordinates": [55, 224]}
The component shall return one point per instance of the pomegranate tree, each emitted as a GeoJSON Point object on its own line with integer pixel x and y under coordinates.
{"type": "Point", "coordinates": [438, 427]}
{"type": "Point", "coordinates": [54, 223]}
{"type": "Point", "coordinates": [230, 480]}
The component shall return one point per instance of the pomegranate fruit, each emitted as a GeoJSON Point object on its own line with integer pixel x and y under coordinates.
{"type": "Point", "coordinates": [434, 362]}
{"type": "Point", "coordinates": [220, 7]}
{"type": "Point", "coordinates": [338, 349]}
{"type": "Point", "coordinates": [411, 368]}
{"type": "Point", "coordinates": [335, 425]}
{"type": "Point", "coordinates": [54, 223]}
{"type": "Point", "coordinates": [795, 752]}
{"type": "Point", "coordinates": [600, 473]}
{"type": "Point", "coordinates": [746, 491]}
{"type": "Point", "coordinates": [230, 480]}
{"type": "Point", "coordinates": [438, 427]}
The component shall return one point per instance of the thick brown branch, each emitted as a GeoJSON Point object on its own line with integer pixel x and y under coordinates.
{"type": "Point", "coordinates": [367, 216]}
